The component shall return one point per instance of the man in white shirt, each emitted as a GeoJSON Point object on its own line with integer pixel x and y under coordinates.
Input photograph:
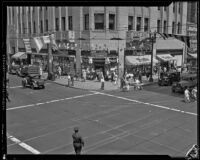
{"type": "Point", "coordinates": [187, 95]}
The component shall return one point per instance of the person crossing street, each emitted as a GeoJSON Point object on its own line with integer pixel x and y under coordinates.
{"type": "Point", "coordinates": [78, 141]}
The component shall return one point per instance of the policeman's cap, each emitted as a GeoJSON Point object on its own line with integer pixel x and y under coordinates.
{"type": "Point", "coordinates": [75, 129]}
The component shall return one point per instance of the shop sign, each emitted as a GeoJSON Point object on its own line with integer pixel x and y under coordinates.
{"type": "Point", "coordinates": [135, 35]}
{"type": "Point", "coordinates": [27, 44]}
{"type": "Point", "coordinates": [99, 54]}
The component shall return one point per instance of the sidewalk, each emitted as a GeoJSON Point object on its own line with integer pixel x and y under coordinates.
{"type": "Point", "coordinates": [95, 85]}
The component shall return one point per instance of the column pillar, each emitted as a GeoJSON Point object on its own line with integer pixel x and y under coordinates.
{"type": "Point", "coordinates": [60, 27]}
{"type": "Point", "coordinates": [17, 28]}
{"type": "Point", "coordinates": [66, 19]}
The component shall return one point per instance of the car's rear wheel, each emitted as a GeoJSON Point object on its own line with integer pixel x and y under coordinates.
{"type": "Point", "coordinates": [32, 86]}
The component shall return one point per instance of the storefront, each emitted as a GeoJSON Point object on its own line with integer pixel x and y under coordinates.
{"type": "Point", "coordinates": [139, 63]}
{"type": "Point", "coordinates": [170, 52]}
{"type": "Point", "coordinates": [192, 59]}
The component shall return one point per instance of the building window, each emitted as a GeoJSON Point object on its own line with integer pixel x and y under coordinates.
{"type": "Point", "coordinates": [19, 28]}
{"type": "Point", "coordinates": [165, 8]}
{"type": "Point", "coordinates": [46, 25]}
{"type": "Point", "coordinates": [99, 21]}
{"type": "Point", "coordinates": [57, 24]}
{"type": "Point", "coordinates": [179, 28]}
{"type": "Point", "coordinates": [111, 21]}
{"type": "Point", "coordinates": [63, 23]}
{"type": "Point", "coordinates": [159, 8]}
{"type": "Point", "coordinates": [139, 23]}
{"type": "Point", "coordinates": [33, 9]}
{"type": "Point", "coordinates": [41, 27]}
{"type": "Point", "coordinates": [158, 25]}
{"type": "Point", "coordinates": [165, 26]}
{"type": "Point", "coordinates": [34, 28]}
{"type": "Point", "coordinates": [173, 7]}
{"type": "Point", "coordinates": [179, 8]}
{"type": "Point", "coordinates": [173, 27]}
{"type": "Point", "coordinates": [130, 23]}
{"type": "Point", "coordinates": [46, 8]}
{"type": "Point", "coordinates": [23, 27]}
{"type": "Point", "coordinates": [87, 22]}
{"type": "Point", "coordinates": [146, 24]}
{"type": "Point", "coordinates": [29, 24]}
{"type": "Point", "coordinates": [29, 10]}
{"type": "Point", "coordinates": [40, 9]}
{"type": "Point", "coordinates": [70, 22]}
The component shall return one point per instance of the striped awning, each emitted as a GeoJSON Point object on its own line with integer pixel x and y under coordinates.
{"type": "Point", "coordinates": [193, 55]}
{"type": "Point", "coordinates": [19, 55]}
{"type": "Point", "coordinates": [139, 60]}
{"type": "Point", "coordinates": [165, 57]}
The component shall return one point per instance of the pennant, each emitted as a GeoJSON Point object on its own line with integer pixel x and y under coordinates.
{"type": "Point", "coordinates": [27, 44]}
{"type": "Point", "coordinates": [38, 43]}
{"type": "Point", "coordinates": [46, 39]}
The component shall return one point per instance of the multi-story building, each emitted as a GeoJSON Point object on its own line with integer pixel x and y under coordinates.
{"type": "Point", "coordinates": [101, 31]}
{"type": "Point", "coordinates": [192, 32]}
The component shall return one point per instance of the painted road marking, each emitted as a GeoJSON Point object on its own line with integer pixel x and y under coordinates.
{"type": "Point", "coordinates": [23, 145]}
{"type": "Point", "coordinates": [155, 105]}
{"type": "Point", "coordinates": [56, 100]}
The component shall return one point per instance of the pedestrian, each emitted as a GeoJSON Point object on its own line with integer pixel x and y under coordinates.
{"type": "Point", "coordinates": [59, 71]}
{"type": "Point", "coordinates": [187, 95]}
{"type": "Point", "coordinates": [102, 80]}
{"type": "Point", "coordinates": [115, 78]}
{"type": "Point", "coordinates": [68, 79]}
{"type": "Point", "coordinates": [194, 93]}
{"type": "Point", "coordinates": [40, 71]}
{"type": "Point", "coordinates": [140, 76]}
{"type": "Point", "coordinates": [7, 95]}
{"type": "Point", "coordinates": [72, 79]}
{"type": "Point", "coordinates": [84, 75]}
{"type": "Point", "coordinates": [78, 141]}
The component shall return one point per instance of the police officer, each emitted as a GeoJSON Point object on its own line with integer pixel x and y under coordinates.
{"type": "Point", "coordinates": [78, 142]}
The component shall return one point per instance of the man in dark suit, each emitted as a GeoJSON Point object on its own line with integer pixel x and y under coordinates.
{"type": "Point", "coordinates": [78, 142]}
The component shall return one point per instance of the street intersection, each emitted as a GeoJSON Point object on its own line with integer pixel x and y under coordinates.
{"type": "Point", "coordinates": [151, 121]}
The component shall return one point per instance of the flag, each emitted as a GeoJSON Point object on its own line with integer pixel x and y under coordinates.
{"type": "Point", "coordinates": [27, 44]}
{"type": "Point", "coordinates": [46, 39]}
{"type": "Point", "coordinates": [38, 43]}
{"type": "Point", "coordinates": [162, 35]}
{"type": "Point", "coordinates": [53, 42]}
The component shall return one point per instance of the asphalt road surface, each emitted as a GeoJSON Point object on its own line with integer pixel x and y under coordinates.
{"type": "Point", "coordinates": [151, 121]}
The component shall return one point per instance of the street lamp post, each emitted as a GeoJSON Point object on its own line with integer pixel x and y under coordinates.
{"type": "Point", "coordinates": [153, 40]}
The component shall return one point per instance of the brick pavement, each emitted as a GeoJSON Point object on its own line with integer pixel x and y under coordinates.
{"type": "Point", "coordinates": [95, 85]}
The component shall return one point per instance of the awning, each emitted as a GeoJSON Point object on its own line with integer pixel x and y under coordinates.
{"type": "Point", "coordinates": [193, 55]}
{"type": "Point", "coordinates": [170, 43]}
{"type": "Point", "coordinates": [165, 57]}
{"type": "Point", "coordinates": [139, 60]}
{"type": "Point", "coordinates": [20, 55]}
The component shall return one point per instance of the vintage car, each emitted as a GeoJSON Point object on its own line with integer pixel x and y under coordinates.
{"type": "Point", "coordinates": [33, 81]}
{"type": "Point", "coordinates": [187, 80]}
{"type": "Point", "coordinates": [14, 69]}
{"type": "Point", "coordinates": [166, 79]}
{"type": "Point", "coordinates": [23, 71]}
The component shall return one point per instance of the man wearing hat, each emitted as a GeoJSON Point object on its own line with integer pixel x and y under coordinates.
{"type": "Point", "coordinates": [78, 142]}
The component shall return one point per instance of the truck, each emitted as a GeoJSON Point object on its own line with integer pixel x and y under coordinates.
{"type": "Point", "coordinates": [33, 78]}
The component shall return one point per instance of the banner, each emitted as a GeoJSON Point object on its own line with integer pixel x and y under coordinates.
{"type": "Point", "coordinates": [27, 44]}
{"type": "Point", "coordinates": [38, 43]}
{"type": "Point", "coordinates": [46, 39]}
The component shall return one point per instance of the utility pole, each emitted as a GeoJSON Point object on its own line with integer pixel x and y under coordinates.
{"type": "Point", "coordinates": [153, 40]}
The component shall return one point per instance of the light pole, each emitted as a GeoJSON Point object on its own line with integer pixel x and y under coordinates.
{"type": "Point", "coordinates": [153, 40]}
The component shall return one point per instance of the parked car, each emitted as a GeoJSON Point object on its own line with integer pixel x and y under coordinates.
{"type": "Point", "coordinates": [168, 78]}
{"type": "Point", "coordinates": [33, 81]}
{"type": "Point", "coordinates": [187, 80]}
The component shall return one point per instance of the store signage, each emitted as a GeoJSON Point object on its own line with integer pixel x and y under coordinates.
{"type": "Point", "coordinates": [99, 54]}
{"type": "Point", "coordinates": [135, 35]}
{"type": "Point", "coordinates": [27, 44]}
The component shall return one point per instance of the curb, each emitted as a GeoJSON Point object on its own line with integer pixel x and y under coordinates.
{"type": "Point", "coordinates": [146, 84]}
